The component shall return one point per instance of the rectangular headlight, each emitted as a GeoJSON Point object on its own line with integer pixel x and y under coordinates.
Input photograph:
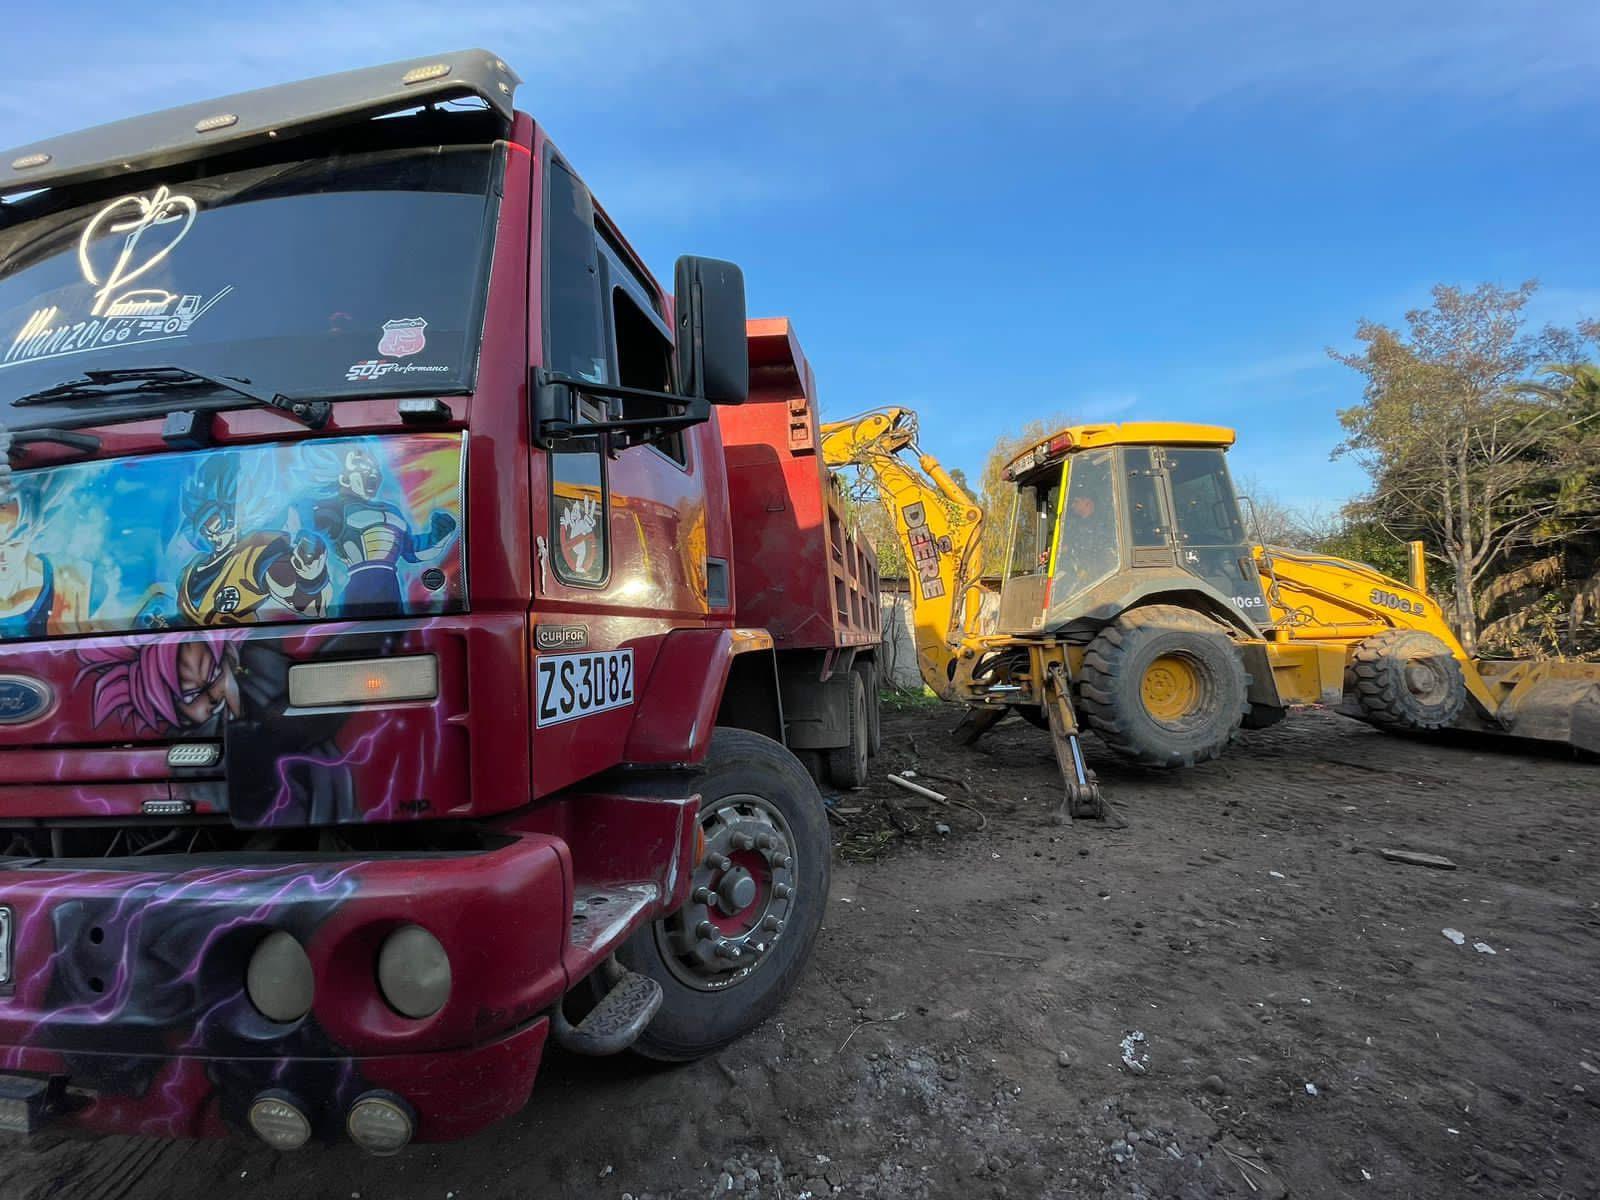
{"type": "Point", "coordinates": [363, 681]}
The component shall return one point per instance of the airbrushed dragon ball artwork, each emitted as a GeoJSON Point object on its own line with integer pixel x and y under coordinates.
{"type": "Point", "coordinates": [350, 527]}
{"type": "Point", "coordinates": [217, 540]}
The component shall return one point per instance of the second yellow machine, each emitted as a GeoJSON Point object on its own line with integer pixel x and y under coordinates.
{"type": "Point", "coordinates": [1134, 597]}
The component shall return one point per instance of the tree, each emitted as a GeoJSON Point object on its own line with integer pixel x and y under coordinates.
{"type": "Point", "coordinates": [1463, 450]}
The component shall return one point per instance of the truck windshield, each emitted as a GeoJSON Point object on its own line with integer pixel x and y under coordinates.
{"type": "Point", "coordinates": [353, 272]}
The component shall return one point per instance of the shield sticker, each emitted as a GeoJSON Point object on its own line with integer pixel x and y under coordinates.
{"type": "Point", "coordinates": [402, 337]}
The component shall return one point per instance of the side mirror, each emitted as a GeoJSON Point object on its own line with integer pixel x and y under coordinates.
{"type": "Point", "coordinates": [713, 357]}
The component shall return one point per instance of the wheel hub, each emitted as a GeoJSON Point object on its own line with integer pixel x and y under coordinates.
{"type": "Point", "coordinates": [1171, 688]}
{"type": "Point", "coordinates": [740, 896]}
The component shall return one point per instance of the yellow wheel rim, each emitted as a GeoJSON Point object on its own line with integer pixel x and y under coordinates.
{"type": "Point", "coordinates": [1171, 688]}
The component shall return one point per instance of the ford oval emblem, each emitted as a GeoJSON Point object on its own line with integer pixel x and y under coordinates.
{"type": "Point", "coordinates": [22, 699]}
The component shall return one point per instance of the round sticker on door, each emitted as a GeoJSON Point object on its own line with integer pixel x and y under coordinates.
{"type": "Point", "coordinates": [403, 336]}
{"type": "Point", "coordinates": [580, 539]}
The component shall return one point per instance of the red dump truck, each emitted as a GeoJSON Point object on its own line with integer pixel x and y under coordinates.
{"type": "Point", "coordinates": [404, 619]}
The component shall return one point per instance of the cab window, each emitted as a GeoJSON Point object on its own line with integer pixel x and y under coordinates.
{"type": "Point", "coordinates": [1088, 551]}
{"type": "Point", "coordinates": [643, 349]}
{"type": "Point", "coordinates": [576, 346]}
{"type": "Point", "coordinates": [1203, 502]}
{"type": "Point", "coordinates": [1033, 527]}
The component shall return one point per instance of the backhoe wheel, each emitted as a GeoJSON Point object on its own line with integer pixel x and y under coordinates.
{"type": "Point", "coordinates": [1406, 679]}
{"type": "Point", "coordinates": [1163, 687]}
{"type": "Point", "coordinates": [729, 956]}
{"type": "Point", "coordinates": [847, 765]}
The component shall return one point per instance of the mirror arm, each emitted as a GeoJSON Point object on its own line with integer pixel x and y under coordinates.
{"type": "Point", "coordinates": [696, 410]}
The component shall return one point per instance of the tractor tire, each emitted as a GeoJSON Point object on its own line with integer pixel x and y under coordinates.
{"type": "Point", "coordinates": [746, 781]}
{"type": "Point", "coordinates": [847, 765]}
{"type": "Point", "coordinates": [869, 679]}
{"type": "Point", "coordinates": [1406, 680]}
{"type": "Point", "coordinates": [1163, 687]}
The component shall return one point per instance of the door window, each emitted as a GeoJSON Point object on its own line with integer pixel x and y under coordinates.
{"type": "Point", "coordinates": [578, 524]}
{"type": "Point", "coordinates": [1088, 552]}
{"type": "Point", "coordinates": [1202, 498]}
{"type": "Point", "coordinates": [1147, 520]}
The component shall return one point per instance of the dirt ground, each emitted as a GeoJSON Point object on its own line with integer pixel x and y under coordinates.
{"type": "Point", "coordinates": [1233, 996]}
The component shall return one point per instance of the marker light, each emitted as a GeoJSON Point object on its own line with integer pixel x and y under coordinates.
{"type": "Point", "coordinates": [423, 74]}
{"type": "Point", "coordinates": [279, 1122]}
{"type": "Point", "coordinates": [29, 160]}
{"type": "Point", "coordinates": [364, 681]}
{"type": "Point", "coordinates": [194, 754]}
{"type": "Point", "coordinates": [380, 1123]}
{"type": "Point", "coordinates": [1061, 443]}
{"type": "Point", "coordinates": [220, 121]}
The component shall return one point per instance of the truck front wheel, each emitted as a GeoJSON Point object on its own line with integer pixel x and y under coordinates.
{"type": "Point", "coordinates": [727, 959]}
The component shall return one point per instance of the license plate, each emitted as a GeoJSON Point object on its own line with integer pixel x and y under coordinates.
{"type": "Point", "coordinates": [580, 685]}
{"type": "Point", "coordinates": [5, 945]}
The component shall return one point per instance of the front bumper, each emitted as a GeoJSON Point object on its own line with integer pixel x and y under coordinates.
{"type": "Point", "coordinates": [127, 987]}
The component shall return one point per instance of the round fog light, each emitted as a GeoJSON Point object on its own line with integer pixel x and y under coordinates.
{"type": "Point", "coordinates": [414, 972]}
{"type": "Point", "coordinates": [278, 979]}
{"type": "Point", "coordinates": [278, 1121]}
{"type": "Point", "coordinates": [380, 1123]}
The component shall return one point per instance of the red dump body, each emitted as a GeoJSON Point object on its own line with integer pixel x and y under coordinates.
{"type": "Point", "coordinates": [813, 590]}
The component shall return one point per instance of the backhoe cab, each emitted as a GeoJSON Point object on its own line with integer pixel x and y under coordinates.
{"type": "Point", "coordinates": [1106, 517]}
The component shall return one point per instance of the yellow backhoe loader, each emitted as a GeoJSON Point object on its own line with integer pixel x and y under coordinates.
{"type": "Point", "coordinates": [1133, 595]}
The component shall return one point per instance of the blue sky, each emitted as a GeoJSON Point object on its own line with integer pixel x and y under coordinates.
{"type": "Point", "coordinates": [1003, 211]}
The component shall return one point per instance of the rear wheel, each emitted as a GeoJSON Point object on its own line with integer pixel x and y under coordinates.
{"type": "Point", "coordinates": [728, 957]}
{"type": "Point", "coordinates": [868, 670]}
{"type": "Point", "coordinates": [1163, 687]}
{"type": "Point", "coordinates": [1406, 679]}
{"type": "Point", "coordinates": [847, 765]}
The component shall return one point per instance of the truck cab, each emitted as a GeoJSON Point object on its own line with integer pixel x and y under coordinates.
{"type": "Point", "coordinates": [367, 612]}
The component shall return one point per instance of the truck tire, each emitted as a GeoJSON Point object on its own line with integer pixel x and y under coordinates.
{"type": "Point", "coordinates": [1406, 679]}
{"type": "Point", "coordinates": [869, 679]}
{"type": "Point", "coordinates": [847, 765]}
{"type": "Point", "coordinates": [747, 784]}
{"type": "Point", "coordinates": [1163, 687]}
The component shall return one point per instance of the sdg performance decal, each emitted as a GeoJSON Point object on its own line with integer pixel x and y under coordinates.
{"type": "Point", "coordinates": [577, 685]}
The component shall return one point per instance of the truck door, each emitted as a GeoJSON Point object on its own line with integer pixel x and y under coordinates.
{"type": "Point", "coordinates": [619, 529]}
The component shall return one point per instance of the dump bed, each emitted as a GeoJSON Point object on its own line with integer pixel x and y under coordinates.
{"type": "Point", "coordinates": [800, 568]}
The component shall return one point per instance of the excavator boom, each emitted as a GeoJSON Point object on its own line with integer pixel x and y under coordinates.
{"type": "Point", "coordinates": [939, 526]}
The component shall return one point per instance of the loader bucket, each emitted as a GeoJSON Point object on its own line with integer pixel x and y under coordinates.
{"type": "Point", "coordinates": [1555, 702]}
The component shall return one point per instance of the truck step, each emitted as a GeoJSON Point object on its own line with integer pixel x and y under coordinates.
{"type": "Point", "coordinates": [27, 1101]}
{"type": "Point", "coordinates": [616, 1022]}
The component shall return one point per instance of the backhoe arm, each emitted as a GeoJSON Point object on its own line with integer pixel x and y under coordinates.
{"type": "Point", "coordinates": [939, 526]}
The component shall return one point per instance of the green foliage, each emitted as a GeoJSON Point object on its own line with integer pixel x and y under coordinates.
{"type": "Point", "coordinates": [1475, 444]}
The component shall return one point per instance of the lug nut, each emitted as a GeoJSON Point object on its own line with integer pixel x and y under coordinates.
{"type": "Point", "coordinates": [727, 950]}
{"type": "Point", "coordinates": [705, 930]}
{"type": "Point", "coordinates": [702, 895]}
{"type": "Point", "coordinates": [764, 842]}
{"type": "Point", "coordinates": [772, 925]}
{"type": "Point", "coordinates": [743, 841]}
{"type": "Point", "coordinates": [781, 890]}
{"type": "Point", "coordinates": [785, 862]}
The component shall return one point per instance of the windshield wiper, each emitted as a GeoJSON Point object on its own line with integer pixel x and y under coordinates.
{"type": "Point", "coordinates": [16, 444]}
{"type": "Point", "coordinates": [105, 381]}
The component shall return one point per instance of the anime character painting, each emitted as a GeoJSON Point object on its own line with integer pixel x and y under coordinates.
{"type": "Point", "coordinates": [248, 535]}
{"type": "Point", "coordinates": [202, 685]}
{"type": "Point", "coordinates": [37, 597]}
{"type": "Point", "coordinates": [373, 536]}
{"type": "Point", "coordinates": [236, 575]}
